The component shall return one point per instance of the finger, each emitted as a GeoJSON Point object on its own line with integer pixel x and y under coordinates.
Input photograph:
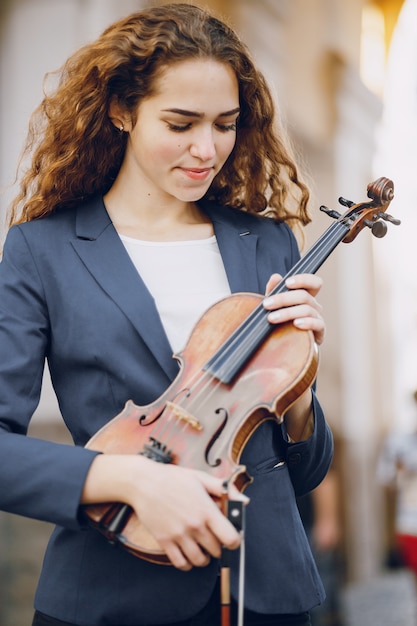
{"type": "Point", "coordinates": [223, 529]}
{"type": "Point", "coordinates": [194, 549]}
{"type": "Point", "coordinates": [206, 545]}
{"type": "Point", "coordinates": [198, 550]}
{"type": "Point", "coordinates": [304, 316]}
{"type": "Point", "coordinates": [316, 325]}
{"type": "Point", "coordinates": [234, 494]}
{"type": "Point", "coordinates": [215, 487]}
{"type": "Point", "coordinates": [310, 282]}
{"type": "Point", "coordinates": [292, 304]}
{"type": "Point", "coordinates": [176, 557]}
{"type": "Point", "coordinates": [273, 281]}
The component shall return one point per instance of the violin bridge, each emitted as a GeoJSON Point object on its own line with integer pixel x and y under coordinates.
{"type": "Point", "coordinates": [184, 416]}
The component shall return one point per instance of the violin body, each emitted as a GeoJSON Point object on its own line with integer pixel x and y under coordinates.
{"type": "Point", "coordinates": [202, 423]}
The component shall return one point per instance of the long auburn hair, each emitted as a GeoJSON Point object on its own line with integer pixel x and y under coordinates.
{"type": "Point", "coordinates": [76, 152]}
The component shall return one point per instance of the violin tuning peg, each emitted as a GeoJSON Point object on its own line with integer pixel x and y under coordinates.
{"type": "Point", "coordinates": [347, 203]}
{"type": "Point", "coordinates": [389, 218]}
{"type": "Point", "coordinates": [330, 212]}
{"type": "Point", "coordinates": [379, 229]}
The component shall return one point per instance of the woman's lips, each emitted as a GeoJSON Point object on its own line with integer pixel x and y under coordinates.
{"type": "Point", "coordinates": [197, 173]}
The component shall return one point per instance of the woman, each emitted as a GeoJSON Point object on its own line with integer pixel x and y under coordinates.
{"type": "Point", "coordinates": [149, 164]}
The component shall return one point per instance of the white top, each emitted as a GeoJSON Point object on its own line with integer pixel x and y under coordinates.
{"type": "Point", "coordinates": [184, 277]}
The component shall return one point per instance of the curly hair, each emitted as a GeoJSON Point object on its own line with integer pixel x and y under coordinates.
{"type": "Point", "coordinates": [76, 152]}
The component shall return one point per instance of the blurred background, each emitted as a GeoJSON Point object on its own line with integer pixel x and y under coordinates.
{"type": "Point", "coordinates": [344, 74]}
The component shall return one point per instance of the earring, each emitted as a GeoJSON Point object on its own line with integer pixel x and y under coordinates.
{"type": "Point", "coordinates": [121, 127]}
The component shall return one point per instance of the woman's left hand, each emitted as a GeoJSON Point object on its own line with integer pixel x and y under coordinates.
{"type": "Point", "coordinates": [298, 303]}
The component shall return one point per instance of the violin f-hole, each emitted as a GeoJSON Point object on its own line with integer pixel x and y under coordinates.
{"type": "Point", "coordinates": [215, 437]}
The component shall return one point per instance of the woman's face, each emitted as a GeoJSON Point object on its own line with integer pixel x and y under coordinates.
{"type": "Point", "coordinates": [184, 132]}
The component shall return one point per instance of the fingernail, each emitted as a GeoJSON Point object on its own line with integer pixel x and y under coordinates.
{"type": "Point", "coordinates": [275, 316]}
{"type": "Point", "coordinates": [267, 302]}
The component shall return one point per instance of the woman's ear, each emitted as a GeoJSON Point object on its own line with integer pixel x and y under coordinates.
{"type": "Point", "coordinates": [118, 115]}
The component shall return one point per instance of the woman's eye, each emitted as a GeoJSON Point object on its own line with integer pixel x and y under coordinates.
{"type": "Point", "coordinates": [227, 127]}
{"type": "Point", "coordinates": [178, 128]}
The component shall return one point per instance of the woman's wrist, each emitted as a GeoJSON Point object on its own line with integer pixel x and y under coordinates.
{"type": "Point", "coordinates": [112, 478]}
{"type": "Point", "coordinates": [299, 419]}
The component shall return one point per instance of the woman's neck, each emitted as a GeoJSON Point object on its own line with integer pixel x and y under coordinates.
{"type": "Point", "coordinates": [144, 219]}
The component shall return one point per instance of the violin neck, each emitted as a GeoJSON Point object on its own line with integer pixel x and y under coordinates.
{"type": "Point", "coordinates": [229, 359]}
{"type": "Point", "coordinates": [317, 254]}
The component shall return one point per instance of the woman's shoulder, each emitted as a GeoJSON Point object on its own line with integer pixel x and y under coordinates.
{"type": "Point", "coordinates": [62, 219]}
{"type": "Point", "coordinates": [48, 236]}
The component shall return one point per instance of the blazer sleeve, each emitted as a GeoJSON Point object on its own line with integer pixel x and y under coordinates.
{"type": "Point", "coordinates": [309, 461]}
{"type": "Point", "coordinates": [38, 479]}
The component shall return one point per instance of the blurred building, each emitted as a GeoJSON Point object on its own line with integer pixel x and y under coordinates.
{"type": "Point", "coordinates": [326, 61]}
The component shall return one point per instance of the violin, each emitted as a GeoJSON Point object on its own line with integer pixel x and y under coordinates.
{"type": "Point", "coordinates": [236, 371]}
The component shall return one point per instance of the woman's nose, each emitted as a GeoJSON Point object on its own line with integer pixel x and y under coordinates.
{"type": "Point", "coordinates": [203, 145]}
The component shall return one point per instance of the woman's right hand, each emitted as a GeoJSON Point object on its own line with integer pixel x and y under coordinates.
{"type": "Point", "coordinates": [174, 503]}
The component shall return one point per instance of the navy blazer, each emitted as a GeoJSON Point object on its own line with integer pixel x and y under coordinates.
{"type": "Point", "coordinates": [70, 293]}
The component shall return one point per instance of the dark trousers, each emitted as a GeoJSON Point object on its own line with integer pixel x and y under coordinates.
{"type": "Point", "coordinates": [208, 616]}
{"type": "Point", "coordinates": [251, 619]}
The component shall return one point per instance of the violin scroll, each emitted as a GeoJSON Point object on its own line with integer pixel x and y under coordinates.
{"type": "Point", "coordinates": [371, 213]}
{"type": "Point", "coordinates": [381, 190]}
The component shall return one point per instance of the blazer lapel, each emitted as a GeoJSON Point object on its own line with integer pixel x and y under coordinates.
{"type": "Point", "coordinates": [103, 254]}
{"type": "Point", "coordinates": [237, 247]}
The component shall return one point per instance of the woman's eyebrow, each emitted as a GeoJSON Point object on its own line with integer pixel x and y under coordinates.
{"type": "Point", "coordinates": [199, 115]}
